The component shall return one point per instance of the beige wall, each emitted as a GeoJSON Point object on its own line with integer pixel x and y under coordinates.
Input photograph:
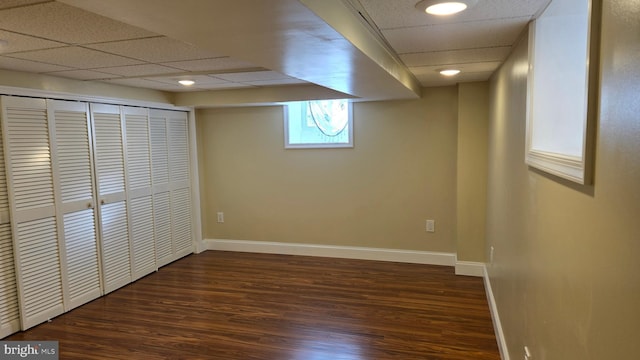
{"type": "Point", "coordinates": [566, 274]}
{"type": "Point", "coordinates": [378, 194]}
{"type": "Point", "coordinates": [471, 191]}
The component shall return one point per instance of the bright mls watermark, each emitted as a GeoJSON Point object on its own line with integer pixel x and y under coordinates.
{"type": "Point", "coordinates": [32, 350]}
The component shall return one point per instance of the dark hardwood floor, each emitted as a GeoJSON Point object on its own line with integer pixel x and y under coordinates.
{"type": "Point", "coordinates": [224, 305]}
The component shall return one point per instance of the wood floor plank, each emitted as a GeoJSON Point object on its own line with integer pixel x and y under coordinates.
{"type": "Point", "coordinates": [244, 306]}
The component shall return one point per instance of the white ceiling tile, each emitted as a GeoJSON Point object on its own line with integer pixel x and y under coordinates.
{"type": "Point", "coordinates": [60, 22]}
{"type": "Point", "coordinates": [158, 50]}
{"type": "Point", "coordinates": [202, 82]}
{"type": "Point", "coordinates": [17, 42]}
{"type": "Point", "coordinates": [76, 57]}
{"type": "Point", "coordinates": [10, 63]}
{"type": "Point", "coordinates": [214, 64]}
{"type": "Point", "coordinates": [142, 83]}
{"type": "Point", "coordinates": [139, 70]}
{"type": "Point", "coordinates": [199, 79]}
{"type": "Point", "coordinates": [221, 86]}
{"type": "Point", "coordinates": [81, 74]}
{"type": "Point", "coordinates": [456, 56]}
{"type": "Point", "coordinates": [502, 32]}
{"type": "Point", "coordinates": [288, 81]}
{"type": "Point", "coordinates": [6, 4]}
{"type": "Point", "coordinates": [403, 13]}
{"type": "Point", "coordinates": [252, 76]}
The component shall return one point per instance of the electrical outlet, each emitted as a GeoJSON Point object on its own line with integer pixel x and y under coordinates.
{"type": "Point", "coordinates": [491, 256]}
{"type": "Point", "coordinates": [431, 226]}
{"type": "Point", "coordinates": [220, 217]}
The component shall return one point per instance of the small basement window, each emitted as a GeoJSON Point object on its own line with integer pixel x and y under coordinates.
{"type": "Point", "coordinates": [318, 124]}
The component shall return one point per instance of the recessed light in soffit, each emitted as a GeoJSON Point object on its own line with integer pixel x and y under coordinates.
{"type": "Point", "coordinates": [449, 72]}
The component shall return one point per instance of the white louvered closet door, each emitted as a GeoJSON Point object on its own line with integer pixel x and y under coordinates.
{"type": "Point", "coordinates": [160, 178]}
{"type": "Point", "coordinates": [110, 177]}
{"type": "Point", "coordinates": [34, 224]}
{"type": "Point", "coordinates": [139, 197]}
{"type": "Point", "coordinates": [9, 312]}
{"type": "Point", "coordinates": [179, 183]}
{"type": "Point", "coordinates": [72, 163]}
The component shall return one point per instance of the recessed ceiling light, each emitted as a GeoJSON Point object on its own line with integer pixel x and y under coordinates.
{"type": "Point", "coordinates": [444, 7]}
{"type": "Point", "coordinates": [186, 82]}
{"type": "Point", "coordinates": [449, 72]}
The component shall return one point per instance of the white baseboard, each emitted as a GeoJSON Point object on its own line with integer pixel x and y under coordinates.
{"type": "Point", "coordinates": [470, 268]}
{"type": "Point", "coordinates": [345, 252]}
{"type": "Point", "coordinates": [497, 325]}
{"type": "Point", "coordinates": [200, 246]}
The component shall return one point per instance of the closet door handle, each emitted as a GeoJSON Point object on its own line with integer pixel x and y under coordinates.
{"type": "Point", "coordinates": [102, 202]}
{"type": "Point", "coordinates": [89, 205]}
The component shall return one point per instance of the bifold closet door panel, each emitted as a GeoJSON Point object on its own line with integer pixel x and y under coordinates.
{"type": "Point", "coordinates": [139, 192]}
{"type": "Point", "coordinates": [73, 165]}
{"type": "Point", "coordinates": [112, 209]}
{"type": "Point", "coordinates": [33, 219]}
{"type": "Point", "coordinates": [162, 228]}
{"type": "Point", "coordinates": [180, 183]}
{"type": "Point", "coordinates": [160, 177]}
{"type": "Point", "coordinates": [9, 311]}
{"type": "Point", "coordinates": [181, 221]}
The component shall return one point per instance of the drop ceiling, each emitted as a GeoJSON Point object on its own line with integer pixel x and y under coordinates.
{"type": "Point", "coordinates": [370, 49]}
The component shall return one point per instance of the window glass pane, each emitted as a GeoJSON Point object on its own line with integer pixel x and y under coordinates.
{"type": "Point", "coordinates": [318, 123]}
